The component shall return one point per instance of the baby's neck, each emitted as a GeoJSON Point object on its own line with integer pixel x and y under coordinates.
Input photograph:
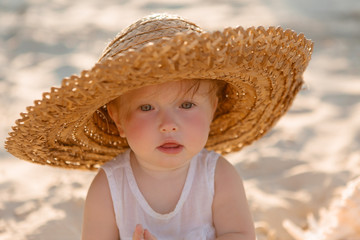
{"type": "Point", "coordinates": [154, 184]}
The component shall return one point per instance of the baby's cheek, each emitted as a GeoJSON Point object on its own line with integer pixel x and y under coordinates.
{"type": "Point", "coordinates": [199, 127]}
{"type": "Point", "coordinates": [202, 120]}
{"type": "Point", "coordinates": [135, 128]}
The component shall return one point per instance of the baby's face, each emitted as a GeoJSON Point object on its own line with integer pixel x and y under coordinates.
{"type": "Point", "coordinates": [167, 124]}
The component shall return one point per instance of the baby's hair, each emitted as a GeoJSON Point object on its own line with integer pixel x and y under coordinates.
{"type": "Point", "coordinates": [215, 88]}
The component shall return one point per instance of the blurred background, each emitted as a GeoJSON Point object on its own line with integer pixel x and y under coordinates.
{"type": "Point", "coordinates": [294, 170]}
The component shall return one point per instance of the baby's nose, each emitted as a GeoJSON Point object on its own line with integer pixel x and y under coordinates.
{"type": "Point", "coordinates": [168, 123]}
{"type": "Point", "coordinates": [168, 128]}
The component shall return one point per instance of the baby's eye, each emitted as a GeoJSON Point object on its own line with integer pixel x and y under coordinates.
{"type": "Point", "coordinates": [146, 107]}
{"type": "Point", "coordinates": [187, 105]}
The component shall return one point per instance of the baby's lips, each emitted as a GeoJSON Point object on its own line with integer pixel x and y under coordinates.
{"type": "Point", "coordinates": [170, 145]}
{"type": "Point", "coordinates": [171, 148]}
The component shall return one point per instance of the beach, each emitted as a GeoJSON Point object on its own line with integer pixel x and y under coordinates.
{"type": "Point", "coordinates": [297, 169]}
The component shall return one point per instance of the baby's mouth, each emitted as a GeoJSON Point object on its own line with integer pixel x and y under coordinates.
{"type": "Point", "coordinates": [170, 148]}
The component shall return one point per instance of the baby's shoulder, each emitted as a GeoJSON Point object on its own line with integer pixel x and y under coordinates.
{"type": "Point", "coordinates": [208, 156]}
{"type": "Point", "coordinates": [98, 187]}
{"type": "Point", "coordinates": [225, 172]}
{"type": "Point", "coordinates": [120, 161]}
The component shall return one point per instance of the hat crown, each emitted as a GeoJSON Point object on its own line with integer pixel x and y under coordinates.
{"type": "Point", "coordinates": [152, 28]}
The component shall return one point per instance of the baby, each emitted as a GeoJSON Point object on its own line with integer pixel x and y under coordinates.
{"type": "Point", "coordinates": [154, 114]}
{"type": "Point", "coordinates": [176, 189]}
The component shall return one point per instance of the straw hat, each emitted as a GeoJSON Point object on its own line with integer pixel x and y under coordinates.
{"type": "Point", "coordinates": [263, 69]}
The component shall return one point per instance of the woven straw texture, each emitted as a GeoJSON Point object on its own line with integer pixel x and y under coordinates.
{"type": "Point", "coordinates": [263, 68]}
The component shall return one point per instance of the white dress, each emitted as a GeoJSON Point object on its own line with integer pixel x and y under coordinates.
{"type": "Point", "coordinates": [192, 217]}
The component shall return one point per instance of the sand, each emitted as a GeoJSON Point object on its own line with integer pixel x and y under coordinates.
{"type": "Point", "coordinates": [297, 169]}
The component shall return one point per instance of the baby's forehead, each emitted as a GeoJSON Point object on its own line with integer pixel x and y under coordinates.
{"type": "Point", "coordinates": [185, 88]}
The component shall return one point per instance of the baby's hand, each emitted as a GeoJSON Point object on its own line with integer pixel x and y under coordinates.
{"type": "Point", "coordinates": [141, 234]}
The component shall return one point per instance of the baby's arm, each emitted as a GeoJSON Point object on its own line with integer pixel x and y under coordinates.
{"type": "Point", "coordinates": [231, 214]}
{"type": "Point", "coordinates": [99, 218]}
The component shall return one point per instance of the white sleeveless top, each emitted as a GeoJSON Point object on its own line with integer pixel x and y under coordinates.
{"type": "Point", "coordinates": [192, 217]}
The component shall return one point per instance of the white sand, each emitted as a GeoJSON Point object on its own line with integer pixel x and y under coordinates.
{"type": "Point", "coordinates": [294, 170]}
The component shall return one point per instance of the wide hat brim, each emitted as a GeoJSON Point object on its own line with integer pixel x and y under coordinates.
{"type": "Point", "coordinates": [70, 127]}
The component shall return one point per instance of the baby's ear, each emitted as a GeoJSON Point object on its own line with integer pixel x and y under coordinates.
{"type": "Point", "coordinates": [113, 112]}
{"type": "Point", "coordinates": [215, 104]}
